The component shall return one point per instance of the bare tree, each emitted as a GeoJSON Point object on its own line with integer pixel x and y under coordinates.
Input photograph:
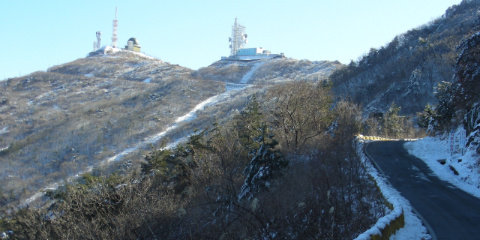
{"type": "Point", "coordinates": [300, 113]}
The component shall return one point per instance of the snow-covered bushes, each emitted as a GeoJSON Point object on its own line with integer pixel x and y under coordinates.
{"type": "Point", "coordinates": [60, 122]}
{"type": "Point", "coordinates": [193, 191]}
{"type": "Point", "coordinates": [458, 100]}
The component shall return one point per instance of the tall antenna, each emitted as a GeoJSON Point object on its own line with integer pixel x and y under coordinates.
{"type": "Point", "coordinates": [114, 35]}
{"type": "Point", "coordinates": [99, 39]}
{"type": "Point", "coordinates": [238, 39]}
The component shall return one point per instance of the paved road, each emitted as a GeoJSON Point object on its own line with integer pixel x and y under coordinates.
{"type": "Point", "coordinates": [448, 212]}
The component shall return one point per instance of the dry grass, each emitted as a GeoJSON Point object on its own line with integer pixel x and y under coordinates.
{"type": "Point", "coordinates": [63, 121]}
{"type": "Point", "coordinates": [279, 70]}
{"type": "Point", "coordinates": [326, 195]}
{"type": "Point", "coordinates": [58, 123]}
{"type": "Point", "coordinates": [227, 71]}
{"type": "Point", "coordinates": [270, 71]}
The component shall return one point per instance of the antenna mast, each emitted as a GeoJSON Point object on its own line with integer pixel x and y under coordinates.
{"type": "Point", "coordinates": [238, 38]}
{"type": "Point", "coordinates": [99, 39]}
{"type": "Point", "coordinates": [114, 35]}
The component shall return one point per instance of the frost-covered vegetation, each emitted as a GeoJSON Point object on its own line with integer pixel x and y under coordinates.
{"type": "Point", "coordinates": [459, 100]}
{"type": "Point", "coordinates": [408, 69]}
{"type": "Point", "coordinates": [243, 178]}
{"type": "Point", "coordinates": [268, 71]}
{"type": "Point", "coordinates": [58, 123]}
{"type": "Point", "coordinates": [282, 166]}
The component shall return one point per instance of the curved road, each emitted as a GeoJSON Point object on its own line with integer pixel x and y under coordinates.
{"type": "Point", "coordinates": [447, 212]}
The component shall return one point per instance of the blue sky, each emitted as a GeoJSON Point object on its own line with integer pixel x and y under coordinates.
{"type": "Point", "coordinates": [192, 33]}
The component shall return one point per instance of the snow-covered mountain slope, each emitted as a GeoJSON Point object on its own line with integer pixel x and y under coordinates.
{"type": "Point", "coordinates": [125, 65]}
{"type": "Point", "coordinates": [108, 109]}
{"type": "Point", "coordinates": [60, 122]}
{"type": "Point", "coordinates": [408, 69]}
{"type": "Point", "coordinates": [267, 71]}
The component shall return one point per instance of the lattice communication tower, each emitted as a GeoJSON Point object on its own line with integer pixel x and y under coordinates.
{"type": "Point", "coordinates": [114, 35]}
{"type": "Point", "coordinates": [238, 38]}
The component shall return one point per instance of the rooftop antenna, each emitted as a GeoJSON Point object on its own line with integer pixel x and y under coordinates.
{"type": "Point", "coordinates": [238, 38]}
{"type": "Point", "coordinates": [99, 39]}
{"type": "Point", "coordinates": [114, 35]}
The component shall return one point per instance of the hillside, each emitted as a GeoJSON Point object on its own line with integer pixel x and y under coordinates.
{"type": "Point", "coordinates": [267, 71]}
{"type": "Point", "coordinates": [265, 154]}
{"type": "Point", "coordinates": [113, 105]}
{"type": "Point", "coordinates": [120, 145]}
{"type": "Point", "coordinates": [60, 122]}
{"type": "Point", "coordinates": [408, 69]}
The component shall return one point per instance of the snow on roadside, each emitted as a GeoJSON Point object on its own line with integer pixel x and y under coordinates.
{"type": "Point", "coordinates": [413, 228]}
{"type": "Point", "coordinates": [432, 149]}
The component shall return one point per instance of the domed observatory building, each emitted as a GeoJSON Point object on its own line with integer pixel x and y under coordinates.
{"type": "Point", "coordinates": [133, 45]}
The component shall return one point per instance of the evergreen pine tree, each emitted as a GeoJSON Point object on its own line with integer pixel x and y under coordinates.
{"type": "Point", "coordinates": [248, 124]}
{"type": "Point", "coordinates": [428, 118]}
{"type": "Point", "coordinates": [392, 122]}
{"type": "Point", "coordinates": [266, 164]}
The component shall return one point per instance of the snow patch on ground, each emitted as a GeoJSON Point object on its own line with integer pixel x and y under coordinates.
{"type": "Point", "coordinates": [413, 228]}
{"type": "Point", "coordinates": [43, 95]}
{"type": "Point", "coordinates": [234, 86]}
{"type": "Point", "coordinates": [4, 130]}
{"type": "Point", "coordinates": [110, 50]}
{"type": "Point", "coordinates": [432, 149]}
{"type": "Point", "coordinates": [143, 55]}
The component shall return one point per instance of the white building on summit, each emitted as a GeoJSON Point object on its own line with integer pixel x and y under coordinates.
{"type": "Point", "coordinates": [237, 50]}
{"type": "Point", "coordinates": [252, 51]}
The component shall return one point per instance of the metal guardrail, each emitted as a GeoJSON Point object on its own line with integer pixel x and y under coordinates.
{"type": "Point", "coordinates": [375, 138]}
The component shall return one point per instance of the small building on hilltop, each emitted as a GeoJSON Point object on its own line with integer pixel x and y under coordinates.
{"type": "Point", "coordinates": [133, 45]}
{"type": "Point", "coordinates": [237, 50]}
{"type": "Point", "coordinates": [252, 51]}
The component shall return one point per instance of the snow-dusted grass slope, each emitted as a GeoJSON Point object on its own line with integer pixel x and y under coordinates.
{"type": "Point", "coordinates": [413, 228]}
{"type": "Point", "coordinates": [190, 116]}
{"type": "Point", "coordinates": [432, 149]}
{"type": "Point", "coordinates": [249, 74]}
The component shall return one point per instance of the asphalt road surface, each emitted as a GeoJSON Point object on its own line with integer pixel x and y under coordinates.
{"type": "Point", "coordinates": [447, 212]}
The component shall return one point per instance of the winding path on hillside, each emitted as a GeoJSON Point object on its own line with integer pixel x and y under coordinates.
{"type": "Point", "coordinates": [447, 212]}
{"type": "Point", "coordinates": [246, 78]}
